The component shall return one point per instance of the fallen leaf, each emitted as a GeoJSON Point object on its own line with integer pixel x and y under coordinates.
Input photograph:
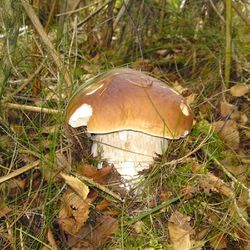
{"type": "Point", "coordinates": [228, 132]}
{"type": "Point", "coordinates": [189, 192]}
{"type": "Point", "coordinates": [226, 109]}
{"type": "Point", "coordinates": [106, 227]}
{"type": "Point", "coordinates": [210, 182]}
{"type": "Point", "coordinates": [107, 208]}
{"type": "Point", "coordinates": [73, 213]}
{"type": "Point", "coordinates": [104, 204]}
{"type": "Point", "coordinates": [94, 236]}
{"type": "Point", "coordinates": [181, 220]}
{"type": "Point", "coordinates": [179, 231]}
{"type": "Point", "coordinates": [236, 169]}
{"type": "Point", "coordinates": [180, 238]}
{"type": "Point", "coordinates": [239, 90]}
{"type": "Point", "coordinates": [98, 175]}
{"type": "Point", "coordinates": [78, 186]}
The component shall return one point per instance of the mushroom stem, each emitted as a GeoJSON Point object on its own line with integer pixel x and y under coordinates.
{"type": "Point", "coordinates": [129, 151]}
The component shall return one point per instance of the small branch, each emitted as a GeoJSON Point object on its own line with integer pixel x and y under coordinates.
{"type": "Point", "coordinates": [19, 171]}
{"type": "Point", "coordinates": [98, 186]}
{"type": "Point", "coordinates": [26, 168]}
{"type": "Point", "coordinates": [217, 12]}
{"type": "Point", "coordinates": [31, 108]}
{"type": "Point", "coordinates": [228, 56]}
{"type": "Point", "coordinates": [40, 30]}
{"type": "Point", "coordinates": [51, 15]}
{"type": "Point", "coordinates": [121, 12]}
{"type": "Point", "coordinates": [93, 14]}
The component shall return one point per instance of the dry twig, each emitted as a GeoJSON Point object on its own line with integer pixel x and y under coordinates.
{"type": "Point", "coordinates": [98, 186]}
{"type": "Point", "coordinates": [31, 108]}
{"type": "Point", "coordinates": [40, 30]}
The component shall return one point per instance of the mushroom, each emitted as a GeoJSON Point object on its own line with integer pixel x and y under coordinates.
{"type": "Point", "coordinates": [130, 116]}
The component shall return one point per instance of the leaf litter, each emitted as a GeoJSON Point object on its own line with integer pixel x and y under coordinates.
{"type": "Point", "coordinates": [88, 219]}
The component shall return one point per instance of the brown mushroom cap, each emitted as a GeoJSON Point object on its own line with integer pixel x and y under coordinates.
{"type": "Point", "coordinates": [126, 99]}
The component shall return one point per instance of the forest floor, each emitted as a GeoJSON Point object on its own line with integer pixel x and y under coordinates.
{"type": "Point", "coordinates": [195, 196]}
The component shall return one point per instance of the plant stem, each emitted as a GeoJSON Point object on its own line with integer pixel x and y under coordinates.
{"type": "Point", "coordinates": [228, 42]}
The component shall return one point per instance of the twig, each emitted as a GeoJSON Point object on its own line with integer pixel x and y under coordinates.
{"type": "Point", "coordinates": [26, 168]}
{"type": "Point", "coordinates": [40, 30]}
{"type": "Point", "coordinates": [217, 12]}
{"type": "Point", "coordinates": [98, 186]}
{"type": "Point", "coordinates": [93, 14]}
{"type": "Point", "coordinates": [121, 12]}
{"type": "Point", "coordinates": [31, 108]}
{"type": "Point", "coordinates": [74, 10]}
{"type": "Point", "coordinates": [228, 56]}
{"type": "Point", "coordinates": [51, 15]}
{"type": "Point", "coordinates": [19, 171]}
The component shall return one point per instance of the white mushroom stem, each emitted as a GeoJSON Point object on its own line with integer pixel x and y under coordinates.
{"type": "Point", "coordinates": [129, 151]}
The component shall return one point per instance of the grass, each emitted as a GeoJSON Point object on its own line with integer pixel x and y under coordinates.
{"type": "Point", "coordinates": [196, 62]}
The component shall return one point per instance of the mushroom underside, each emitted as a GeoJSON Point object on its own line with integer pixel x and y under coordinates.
{"type": "Point", "coordinates": [130, 151]}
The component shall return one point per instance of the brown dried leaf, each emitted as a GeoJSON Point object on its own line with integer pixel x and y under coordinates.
{"type": "Point", "coordinates": [78, 186]}
{"type": "Point", "coordinates": [95, 236]}
{"type": "Point", "coordinates": [180, 238]}
{"type": "Point", "coordinates": [180, 220]}
{"type": "Point", "coordinates": [211, 182]}
{"type": "Point", "coordinates": [239, 90]}
{"type": "Point", "coordinates": [106, 227]}
{"type": "Point", "coordinates": [228, 132]}
{"type": "Point", "coordinates": [107, 208]}
{"type": "Point", "coordinates": [73, 213]}
{"type": "Point", "coordinates": [103, 205]}
{"type": "Point", "coordinates": [227, 109]}
{"type": "Point", "coordinates": [98, 175]}
{"type": "Point", "coordinates": [179, 231]}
